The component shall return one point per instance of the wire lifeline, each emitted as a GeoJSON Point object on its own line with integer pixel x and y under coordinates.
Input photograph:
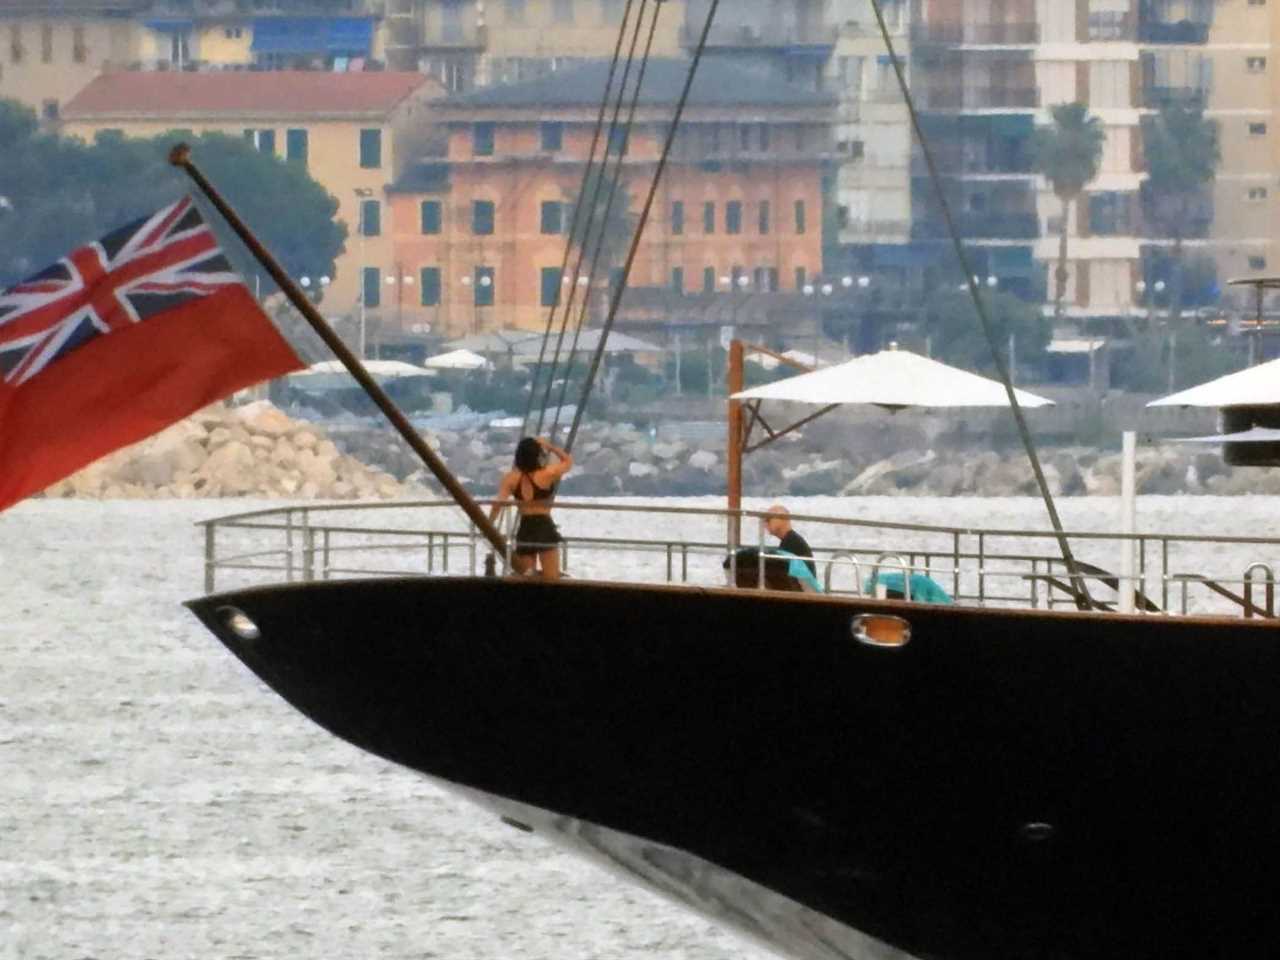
{"type": "Point", "coordinates": [590, 213]}
{"type": "Point", "coordinates": [616, 299]}
{"type": "Point", "coordinates": [604, 218]}
{"type": "Point", "coordinates": [578, 207]}
{"type": "Point", "coordinates": [1081, 592]}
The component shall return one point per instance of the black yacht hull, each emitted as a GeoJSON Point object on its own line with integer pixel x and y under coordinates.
{"type": "Point", "coordinates": [1007, 785]}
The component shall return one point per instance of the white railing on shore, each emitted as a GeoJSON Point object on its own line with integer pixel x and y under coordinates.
{"type": "Point", "coordinates": [979, 567]}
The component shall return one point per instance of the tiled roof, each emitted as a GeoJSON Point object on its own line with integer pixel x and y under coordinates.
{"type": "Point", "coordinates": [284, 93]}
{"type": "Point", "coordinates": [718, 83]}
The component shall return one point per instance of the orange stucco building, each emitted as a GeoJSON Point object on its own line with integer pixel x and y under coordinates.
{"type": "Point", "coordinates": [480, 235]}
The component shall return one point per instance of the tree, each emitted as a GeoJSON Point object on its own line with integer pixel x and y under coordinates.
{"type": "Point", "coordinates": [1068, 153]}
{"type": "Point", "coordinates": [956, 336]}
{"type": "Point", "coordinates": [64, 193]}
{"type": "Point", "coordinates": [603, 222]}
{"type": "Point", "coordinates": [1182, 153]}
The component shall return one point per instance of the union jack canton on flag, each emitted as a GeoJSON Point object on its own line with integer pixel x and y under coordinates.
{"type": "Point", "coordinates": [130, 275]}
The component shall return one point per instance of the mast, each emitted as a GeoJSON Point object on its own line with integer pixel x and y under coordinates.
{"type": "Point", "coordinates": [180, 156]}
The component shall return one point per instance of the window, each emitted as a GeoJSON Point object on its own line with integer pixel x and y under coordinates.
{"type": "Point", "coordinates": [744, 138]}
{"type": "Point", "coordinates": [1257, 263]}
{"type": "Point", "coordinates": [79, 53]}
{"type": "Point", "coordinates": [371, 295]}
{"type": "Point", "coordinates": [1255, 64]}
{"type": "Point", "coordinates": [708, 279]}
{"type": "Point", "coordinates": [552, 136]}
{"type": "Point", "coordinates": [16, 50]}
{"type": "Point", "coordinates": [370, 218]}
{"type": "Point", "coordinates": [264, 141]}
{"type": "Point", "coordinates": [562, 11]}
{"type": "Point", "coordinates": [484, 284]}
{"type": "Point", "coordinates": [760, 279]}
{"type": "Point", "coordinates": [708, 218]}
{"type": "Point", "coordinates": [550, 286]}
{"type": "Point", "coordinates": [763, 130]}
{"type": "Point", "coordinates": [515, 11]}
{"type": "Point", "coordinates": [677, 280]}
{"type": "Point", "coordinates": [552, 217]}
{"type": "Point", "coordinates": [618, 137]}
{"type": "Point", "coordinates": [429, 284]}
{"type": "Point", "coordinates": [482, 217]}
{"type": "Point", "coordinates": [430, 216]}
{"type": "Point", "coordinates": [46, 44]}
{"type": "Point", "coordinates": [800, 224]}
{"type": "Point", "coordinates": [772, 276]}
{"type": "Point", "coordinates": [1257, 193]}
{"type": "Point", "coordinates": [800, 278]}
{"type": "Point", "coordinates": [800, 139]}
{"type": "Point", "coordinates": [733, 216]}
{"type": "Point", "coordinates": [764, 217]}
{"type": "Point", "coordinates": [1109, 213]}
{"type": "Point", "coordinates": [295, 146]}
{"type": "Point", "coordinates": [677, 217]}
{"type": "Point", "coordinates": [482, 139]}
{"type": "Point", "coordinates": [370, 149]}
{"type": "Point", "coordinates": [1257, 129]}
{"type": "Point", "coordinates": [736, 275]}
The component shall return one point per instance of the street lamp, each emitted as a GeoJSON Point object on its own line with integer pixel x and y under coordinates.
{"type": "Point", "coordinates": [321, 283]}
{"type": "Point", "coordinates": [362, 194]}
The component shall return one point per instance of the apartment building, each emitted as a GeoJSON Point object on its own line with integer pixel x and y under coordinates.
{"type": "Point", "coordinates": [480, 235]}
{"type": "Point", "coordinates": [470, 43]}
{"type": "Point", "coordinates": [354, 132]}
{"type": "Point", "coordinates": [49, 52]}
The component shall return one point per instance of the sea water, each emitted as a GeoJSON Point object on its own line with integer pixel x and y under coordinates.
{"type": "Point", "coordinates": [158, 801]}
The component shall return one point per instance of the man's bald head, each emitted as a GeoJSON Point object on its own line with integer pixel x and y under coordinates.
{"type": "Point", "coordinates": [778, 520]}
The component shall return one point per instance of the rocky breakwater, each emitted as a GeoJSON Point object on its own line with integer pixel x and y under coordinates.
{"type": "Point", "coordinates": [250, 451]}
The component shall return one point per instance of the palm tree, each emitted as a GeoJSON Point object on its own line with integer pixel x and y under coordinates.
{"type": "Point", "coordinates": [1182, 157]}
{"type": "Point", "coordinates": [1068, 153]}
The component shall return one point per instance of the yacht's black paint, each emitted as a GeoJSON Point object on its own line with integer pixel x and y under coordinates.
{"type": "Point", "coordinates": [1009, 786]}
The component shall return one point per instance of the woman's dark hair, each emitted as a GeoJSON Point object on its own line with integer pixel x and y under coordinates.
{"type": "Point", "coordinates": [528, 455]}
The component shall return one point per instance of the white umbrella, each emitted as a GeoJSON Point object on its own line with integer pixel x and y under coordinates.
{"type": "Point", "coordinates": [892, 378]}
{"type": "Point", "coordinates": [457, 360]}
{"type": "Point", "coordinates": [388, 369]}
{"type": "Point", "coordinates": [588, 343]}
{"type": "Point", "coordinates": [1255, 387]}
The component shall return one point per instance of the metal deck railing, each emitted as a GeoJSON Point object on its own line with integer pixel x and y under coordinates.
{"type": "Point", "coordinates": [1174, 573]}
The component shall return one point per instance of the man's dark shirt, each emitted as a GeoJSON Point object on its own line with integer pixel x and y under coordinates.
{"type": "Point", "coordinates": [794, 543]}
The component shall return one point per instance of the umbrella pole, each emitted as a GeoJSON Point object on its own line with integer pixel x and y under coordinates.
{"type": "Point", "coordinates": [180, 156]}
{"type": "Point", "coordinates": [734, 466]}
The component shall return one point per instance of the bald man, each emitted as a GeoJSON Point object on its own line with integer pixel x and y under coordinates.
{"type": "Point", "coordinates": [778, 523]}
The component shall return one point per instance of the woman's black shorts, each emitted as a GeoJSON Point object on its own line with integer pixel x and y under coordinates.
{"type": "Point", "coordinates": [536, 532]}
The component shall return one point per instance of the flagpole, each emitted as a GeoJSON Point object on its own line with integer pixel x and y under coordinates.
{"type": "Point", "coordinates": [180, 156]}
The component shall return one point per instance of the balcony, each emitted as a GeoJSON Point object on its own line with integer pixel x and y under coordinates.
{"type": "Point", "coordinates": [979, 98]}
{"type": "Point", "coordinates": [866, 229]}
{"type": "Point", "coordinates": [976, 34]}
{"type": "Point", "coordinates": [456, 38]}
{"type": "Point", "coordinates": [1182, 32]}
{"type": "Point", "coordinates": [748, 36]}
{"type": "Point", "coordinates": [1109, 26]}
{"type": "Point", "coordinates": [980, 226]}
{"type": "Point", "coordinates": [1158, 97]}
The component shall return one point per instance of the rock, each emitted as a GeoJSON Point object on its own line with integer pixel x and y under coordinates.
{"type": "Point", "coordinates": [264, 419]}
{"type": "Point", "coordinates": [637, 469]}
{"type": "Point", "coordinates": [305, 439]}
{"type": "Point", "coordinates": [230, 467]}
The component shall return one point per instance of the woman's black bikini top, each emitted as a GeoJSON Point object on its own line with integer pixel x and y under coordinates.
{"type": "Point", "coordinates": [539, 493]}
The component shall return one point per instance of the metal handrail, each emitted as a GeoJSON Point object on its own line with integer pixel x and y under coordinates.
{"type": "Point", "coordinates": [319, 540]}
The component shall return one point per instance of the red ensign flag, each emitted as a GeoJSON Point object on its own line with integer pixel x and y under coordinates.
{"type": "Point", "coordinates": [118, 340]}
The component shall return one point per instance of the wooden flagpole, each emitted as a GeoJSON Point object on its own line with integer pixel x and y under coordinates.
{"type": "Point", "coordinates": [180, 156]}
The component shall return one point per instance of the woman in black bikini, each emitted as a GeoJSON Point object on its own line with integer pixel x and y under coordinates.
{"type": "Point", "coordinates": [532, 485]}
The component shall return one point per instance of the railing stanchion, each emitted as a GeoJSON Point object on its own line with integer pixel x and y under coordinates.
{"type": "Point", "coordinates": [760, 553]}
{"type": "Point", "coordinates": [210, 555]}
{"type": "Point", "coordinates": [288, 540]}
{"type": "Point", "coordinates": [982, 568]}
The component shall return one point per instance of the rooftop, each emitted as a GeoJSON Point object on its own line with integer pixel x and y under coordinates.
{"type": "Point", "coordinates": [718, 84]}
{"type": "Point", "coordinates": [281, 93]}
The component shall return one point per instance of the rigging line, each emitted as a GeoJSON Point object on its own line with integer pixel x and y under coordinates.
{"type": "Point", "coordinates": [604, 217]}
{"type": "Point", "coordinates": [616, 299]}
{"type": "Point", "coordinates": [590, 210]}
{"type": "Point", "coordinates": [1081, 592]}
{"type": "Point", "coordinates": [577, 211]}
